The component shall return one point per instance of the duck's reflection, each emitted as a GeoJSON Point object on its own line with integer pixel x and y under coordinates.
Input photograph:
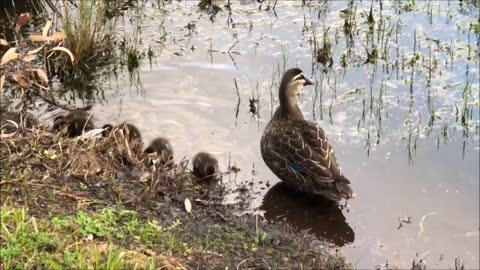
{"type": "Point", "coordinates": [322, 217]}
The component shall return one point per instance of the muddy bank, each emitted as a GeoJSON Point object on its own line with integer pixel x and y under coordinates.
{"type": "Point", "coordinates": [86, 187]}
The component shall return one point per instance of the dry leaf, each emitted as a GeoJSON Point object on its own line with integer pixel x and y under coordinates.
{"type": "Point", "coordinates": [38, 38]}
{"type": "Point", "coordinates": [46, 28]}
{"type": "Point", "coordinates": [9, 55]}
{"type": "Point", "coordinates": [54, 37]}
{"type": "Point", "coordinates": [57, 36]}
{"type": "Point", "coordinates": [21, 79]}
{"type": "Point", "coordinates": [7, 135]}
{"type": "Point", "coordinates": [144, 177]}
{"type": "Point", "coordinates": [3, 42]}
{"type": "Point", "coordinates": [102, 248]}
{"type": "Point", "coordinates": [35, 51]}
{"type": "Point", "coordinates": [188, 205]}
{"type": "Point", "coordinates": [42, 75]}
{"type": "Point", "coordinates": [91, 134]}
{"type": "Point", "coordinates": [29, 57]}
{"type": "Point", "coordinates": [2, 81]}
{"type": "Point", "coordinates": [63, 49]}
{"type": "Point", "coordinates": [23, 19]}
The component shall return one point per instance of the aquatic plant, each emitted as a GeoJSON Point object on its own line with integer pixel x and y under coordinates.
{"type": "Point", "coordinates": [89, 32]}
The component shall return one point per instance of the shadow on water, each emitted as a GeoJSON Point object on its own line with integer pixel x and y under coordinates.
{"type": "Point", "coordinates": [301, 212]}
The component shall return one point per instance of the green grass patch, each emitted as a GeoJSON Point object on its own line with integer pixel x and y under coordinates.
{"type": "Point", "coordinates": [83, 241]}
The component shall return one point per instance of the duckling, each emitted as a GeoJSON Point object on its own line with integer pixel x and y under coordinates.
{"type": "Point", "coordinates": [76, 122]}
{"type": "Point", "coordinates": [297, 150]}
{"type": "Point", "coordinates": [130, 131]}
{"type": "Point", "coordinates": [163, 149]}
{"type": "Point", "coordinates": [205, 166]}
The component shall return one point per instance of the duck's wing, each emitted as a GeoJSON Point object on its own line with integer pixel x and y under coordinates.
{"type": "Point", "coordinates": [306, 149]}
{"type": "Point", "coordinates": [315, 137]}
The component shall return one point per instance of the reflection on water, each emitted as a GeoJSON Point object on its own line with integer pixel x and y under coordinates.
{"type": "Point", "coordinates": [321, 217]}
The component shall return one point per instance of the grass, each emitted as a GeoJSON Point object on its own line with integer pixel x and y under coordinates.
{"type": "Point", "coordinates": [97, 240]}
{"type": "Point", "coordinates": [89, 31]}
{"type": "Point", "coordinates": [83, 241]}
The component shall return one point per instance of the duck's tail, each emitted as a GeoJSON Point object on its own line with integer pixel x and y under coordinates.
{"type": "Point", "coordinates": [342, 185]}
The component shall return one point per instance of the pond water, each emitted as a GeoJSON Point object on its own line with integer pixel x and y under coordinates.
{"type": "Point", "coordinates": [404, 124]}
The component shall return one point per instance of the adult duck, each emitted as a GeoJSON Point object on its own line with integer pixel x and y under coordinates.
{"type": "Point", "coordinates": [297, 150]}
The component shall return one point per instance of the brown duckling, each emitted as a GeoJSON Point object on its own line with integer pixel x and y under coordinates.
{"type": "Point", "coordinates": [163, 149]}
{"type": "Point", "coordinates": [76, 122]}
{"type": "Point", "coordinates": [205, 166]}
{"type": "Point", "coordinates": [130, 131]}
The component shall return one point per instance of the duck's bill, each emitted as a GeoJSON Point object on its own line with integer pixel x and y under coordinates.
{"type": "Point", "coordinates": [307, 82]}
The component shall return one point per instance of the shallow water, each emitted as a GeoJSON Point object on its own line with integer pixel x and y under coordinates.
{"type": "Point", "coordinates": [377, 116]}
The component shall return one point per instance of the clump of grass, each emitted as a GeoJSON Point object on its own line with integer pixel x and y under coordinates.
{"type": "Point", "coordinates": [89, 32]}
{"type": "Point", "coordinates": [78, 241]}
{"type": "Point", "coordinates": [132, 54]}
{"type": "Point", "coordinates": [209, 5]}
{"type": "Point", "coordinates": [324, 54]}
{"type": "Point", "coordinates": [410, 5]}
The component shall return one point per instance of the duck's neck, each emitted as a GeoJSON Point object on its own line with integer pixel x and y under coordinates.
{"type": "Point", "coordinates": [288, 109]}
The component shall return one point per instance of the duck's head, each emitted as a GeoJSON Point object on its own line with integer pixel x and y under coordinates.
{"type": "Point", "coordinates": [293, 82]}
{"type": "Point", "coordinates": [162, 148]}
{"type": "Point", "coordinates": [76, 122]}
{"type": "Point", "coordinates": [130, 131]}
{"type": "Point", "coordinates": [205, 165]}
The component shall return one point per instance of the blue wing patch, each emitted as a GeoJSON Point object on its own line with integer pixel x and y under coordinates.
{"type": "Point", "coordinates": [295, 167]}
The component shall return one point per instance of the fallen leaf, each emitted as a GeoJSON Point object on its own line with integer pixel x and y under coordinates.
{"type": "Point", "coordinates": [3, 42]}
{"type": "Point", "coordinates": [9, 55]}
{"type": "Point", "coordinates": [29, 57]}
{"type": "Point", "coordinates": [188, 205]}
{"type": "Point", "coordinates": [21, 79]}
{"type": "Point", "coordinates": [57, 36]}
{"type": "Point", "coordinates": [13, 123]}
{"type": "Point", "coordinates": [91, 134]}
{"type": "Point", "coordinates": [37, 50]}
{"type": "Point", "coordinates": [102, 248]}
{"type": "Point", "coordinates": [38, 38]}
{"type": "Point", "coordinates": [46, 28]}
{"type": "Point", "coordinates": [2, 81]}
{"type": "Point", "coordinates": [63, 49]}
{"type": "Point", "coordinates": [41, 38]}
{"type": "Point", "coordinates": [23, 19]}
{"type": "Point", "coordinates": [7, 135]}
{"type": "Point", "coordinates": [42, 75]}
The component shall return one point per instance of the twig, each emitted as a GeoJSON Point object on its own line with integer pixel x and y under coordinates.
{"type": "Point", "coordinates": [231, 47]}
{"type": "Point", "coordinates": [242, 262]}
